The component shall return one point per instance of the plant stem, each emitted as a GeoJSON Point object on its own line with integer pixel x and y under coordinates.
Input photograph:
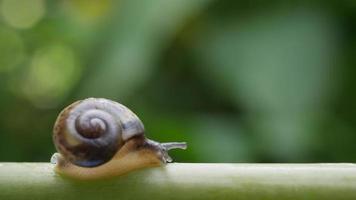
{"type": "Point", "coordinates": [186, 181]}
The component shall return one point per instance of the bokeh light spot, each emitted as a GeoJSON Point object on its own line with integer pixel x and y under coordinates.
{"type": "Point", "coordinates": [11, 48]}
{"type": "Point", "coordinates": [53, 71]}
{"type": "Point", "coordinates": [87, 11]}
{"type": "Point", "coordinates": [22, 13]}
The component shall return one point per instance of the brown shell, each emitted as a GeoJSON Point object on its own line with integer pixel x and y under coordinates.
{"type": "Point", "coordinates": [89, 132]}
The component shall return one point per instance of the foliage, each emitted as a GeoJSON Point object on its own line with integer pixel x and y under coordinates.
{"type": "Point", "coordinates": [240, 81]}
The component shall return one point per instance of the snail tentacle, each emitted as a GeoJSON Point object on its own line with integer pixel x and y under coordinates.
{"type": "Point", "coordinates": [174, 145]}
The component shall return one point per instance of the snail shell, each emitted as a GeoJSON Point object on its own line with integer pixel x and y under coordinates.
{"type": "Point", "coordinates": [88, 133]}
{"type": "Point", "coordinates": [98, 138]}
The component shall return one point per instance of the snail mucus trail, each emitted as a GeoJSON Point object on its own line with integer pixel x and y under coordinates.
{"type": "Point", "coordinates": [99, 138]}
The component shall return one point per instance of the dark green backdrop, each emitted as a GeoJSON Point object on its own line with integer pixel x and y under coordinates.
{"type": "Point", "coordinates": [240, 81]}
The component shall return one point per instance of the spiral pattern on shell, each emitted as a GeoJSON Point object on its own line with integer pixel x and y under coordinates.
{"type": "Point", "coordinates": [88, 133]}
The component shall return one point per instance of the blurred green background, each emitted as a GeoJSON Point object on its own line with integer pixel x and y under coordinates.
{"type": "Point", "coordinates": [240, 81]}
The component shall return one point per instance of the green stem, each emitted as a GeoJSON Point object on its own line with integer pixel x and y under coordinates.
{"type": "Point", "coordinates": [186, 181]}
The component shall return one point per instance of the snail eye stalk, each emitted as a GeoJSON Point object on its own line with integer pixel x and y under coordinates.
{"type": "Point", "coordinates": [169, 146]}
{"type": "Point", "coordinates": [174, 145]}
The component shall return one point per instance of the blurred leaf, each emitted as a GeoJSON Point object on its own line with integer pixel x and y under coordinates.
{"type": "Point", "coordinates": [12, 49]}
{"type": "Point", "coordinates": [279, 66]}
{"type": "Point", "coordinates": [277, 63]}
{"type": "Point", "coordinates": [219, 139]}
{"type": "Point", "coordinates": [22, 13]}
{"type": "Point", "coordinates": [140, 31]}
{"type": "Point", "coordinates": [52, 73]}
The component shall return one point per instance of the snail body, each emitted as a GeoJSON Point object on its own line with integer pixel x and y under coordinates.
{"type": "Point", "coordinates": [99, 138]}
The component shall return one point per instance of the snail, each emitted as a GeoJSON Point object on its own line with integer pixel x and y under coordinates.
{"type": "Point", "coordinates": [100, 138]}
